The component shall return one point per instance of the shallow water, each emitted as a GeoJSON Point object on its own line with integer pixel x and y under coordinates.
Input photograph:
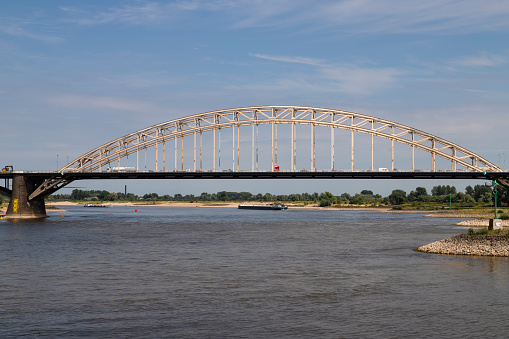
{"type": "Point", "coordinates": [221, 272]}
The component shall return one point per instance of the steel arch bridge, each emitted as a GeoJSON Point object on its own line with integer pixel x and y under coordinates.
{"type": "Point", "coordinates": [129, 153]}
{"type": "Point", "coordinates": [341, 144]}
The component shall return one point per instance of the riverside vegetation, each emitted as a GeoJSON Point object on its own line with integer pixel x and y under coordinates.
{"type": "Point", "coordinates": [473, 199]}
{"type": "Point", "coordinates": [443, 197]}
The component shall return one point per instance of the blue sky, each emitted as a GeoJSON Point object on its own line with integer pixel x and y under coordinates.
{"type": "Point", "coordinates": [76, 74]}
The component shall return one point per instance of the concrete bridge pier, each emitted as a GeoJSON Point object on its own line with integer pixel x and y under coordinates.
{"type": "Point", "coordinates": [20, 207]}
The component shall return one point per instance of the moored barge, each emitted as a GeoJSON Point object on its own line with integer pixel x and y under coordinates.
{"type": "Point", "coordinates": [275, 207]}
{"type": "Point", "coordinates": [94, 205]}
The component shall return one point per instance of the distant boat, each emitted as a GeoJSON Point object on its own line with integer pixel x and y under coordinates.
{"type": "Point", "coordinates": [93, 205]}
{"type": "Point", "coordinates": [275, 207]}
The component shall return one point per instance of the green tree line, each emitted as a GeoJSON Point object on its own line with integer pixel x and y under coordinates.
{"type": "Point", "coordinates": [479, 194]}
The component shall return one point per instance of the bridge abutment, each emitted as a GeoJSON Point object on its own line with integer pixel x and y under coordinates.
{"type": "Point", "coordinates": [20, 207]}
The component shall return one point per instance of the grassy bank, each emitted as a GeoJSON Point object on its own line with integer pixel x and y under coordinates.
{"type": "Point", "coordinates": [484, 231]}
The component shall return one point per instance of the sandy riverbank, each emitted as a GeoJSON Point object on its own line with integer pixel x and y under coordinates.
{"type": "Point", "coordinates": [235, 205]}
{"type": "Point", "coordinates": [474, 219]}
{"type": "Point", "coordinates": [164, 204]}
{"type": "Point", "coordinates": [232, 205]}
{"type": "Point", "coordinates": [211, 204]}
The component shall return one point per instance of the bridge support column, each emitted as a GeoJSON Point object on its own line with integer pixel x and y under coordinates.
{"type": "Point", "coordinates": [20, 207]}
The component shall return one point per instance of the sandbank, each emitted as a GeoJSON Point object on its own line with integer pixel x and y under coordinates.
{"type": "Point", "coordinates": [473, 219]}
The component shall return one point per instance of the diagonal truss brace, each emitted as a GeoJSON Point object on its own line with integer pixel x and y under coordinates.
{"type": "Point", "coordinates": [503, 182]}
{"type": "Point", "coordinates": [500, 181]}
{"type": "Point", "coordinates": [49, 186]}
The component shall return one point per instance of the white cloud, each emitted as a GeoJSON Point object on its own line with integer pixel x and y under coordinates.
{"type": "Point", "coordinates": [16, 30]}
{"type": "Point", "coordinates": [291, 59]}
{"type": "Point", "coordinates": [267, 13]}
{"type": "Point", "coordinates": [136, 81]}
{"type": "Point", "coordinates": [345, 78]}
{"type": "Point", "coordinates": [467, 122]}
{"type": "Point", "coordinates": [417, 16]}
{"type": "Point", "coordinates": [354, 16]}
{"type": "Point", "coordinates": [145, 13]}
{"type": "Point", "coordinates": [481, 60]}
{"type": "Point", "coordinates": [88, 101]}
{"type": "Point", "coordinates": [358, 80]}
{"type": "Point", "coordinates": [148, 12]}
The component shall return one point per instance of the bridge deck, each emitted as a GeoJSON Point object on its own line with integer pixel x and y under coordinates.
{"type": "Point", "coordinates": [263, 175]}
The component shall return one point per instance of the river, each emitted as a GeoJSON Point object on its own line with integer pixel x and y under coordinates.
{"type": "Point", "coordinates": [188, 272]}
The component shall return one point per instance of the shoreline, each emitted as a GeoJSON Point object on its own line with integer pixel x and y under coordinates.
{"type": "Point", "coordinates": [474, 219]}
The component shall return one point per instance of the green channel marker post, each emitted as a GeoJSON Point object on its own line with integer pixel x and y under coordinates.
{"type": "Point", "coordinates": [495, 193]}
{"type": "Point", "coordinates": [495, 223]}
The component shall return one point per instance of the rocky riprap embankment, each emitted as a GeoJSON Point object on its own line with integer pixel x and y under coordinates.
{"type": "Point", "coordinates": [464, 244]}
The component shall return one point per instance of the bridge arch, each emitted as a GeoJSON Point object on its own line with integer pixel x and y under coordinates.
{"type": "Point", "coordinates": [106, 156]}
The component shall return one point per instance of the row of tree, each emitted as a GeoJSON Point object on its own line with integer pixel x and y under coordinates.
{"type": "Point", "coordinates": [444, 194]}
{"type": "Point", "coordinates": [439, 194]}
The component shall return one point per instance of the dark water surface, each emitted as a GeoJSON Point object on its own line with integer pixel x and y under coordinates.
{"type": "Point", "coordinates": [221, 272]}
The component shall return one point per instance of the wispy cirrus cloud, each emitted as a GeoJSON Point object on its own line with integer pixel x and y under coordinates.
{"type": "Point", "coordinates": [18, 30]}
{"type": "Point", "coordinates": [141, 13]}
{"type": "Point", "coordinates": [483, 59]}
{"type": "Point", "coordinates": [290, 59]}
{"type": "Point", "coordinates": [375, 17]}
{"type": "Point", "coordinates": [345, 78]}
{"type": "Point", "coordinates": [148, 12]}
{"type": "Point", "coordinates": [248, 13]}
{"type": "Point", "coordinates": [418, 16]}
{"type": "Point", "coordinates": [361, 80]}
{"type": "Point", "coordinates": [460, 119]}
{"type": "Point", "coordinates": [101, 102]}
{"type": "Point", "coordinates": [359, 16]}
{"type": "Point", "coordinates": [400, 16]}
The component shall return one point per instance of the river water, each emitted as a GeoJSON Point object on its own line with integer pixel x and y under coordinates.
{"type": "Point", "coordinates": [222, 273]}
